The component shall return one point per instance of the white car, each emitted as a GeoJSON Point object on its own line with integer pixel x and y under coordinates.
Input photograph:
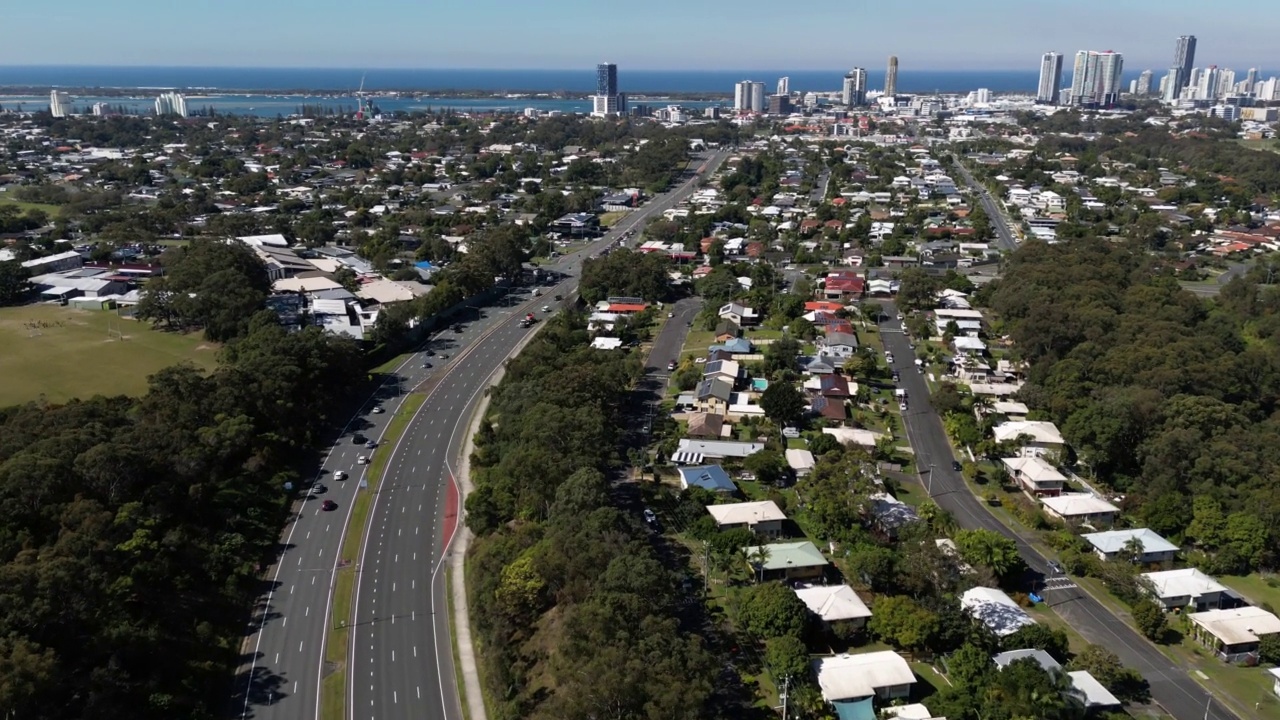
{"type": "Point", "coordinates": [362, 460]}
{"type": "Point", "coordinates": [339, 474]}
{"type": "Point", "coordinates": [377, 410]}
{"type": "Point", "coordinates": [546, 308]}
{"type": "Point", "coordinates": [670, 315]}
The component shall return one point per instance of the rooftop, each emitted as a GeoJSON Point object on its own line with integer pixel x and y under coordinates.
{"type": "Point", "coordinates": [1113, 541]}
{"type": "Point", "coordinates": [782, 556]}
{"type": "Point", "coordinates": [845, 677]}
{"type": "Point", "coordinates": [746, 512]}
{"type": "Point", "coordinates": [1239, 626]}
{"type": "Point", "coordinates": [834, 602]}
{"type": "Point", "coordinates": [1039, 430]}
{"type": "Point", "coordinates": [996, 610]}
{"type": "Point", "coordinates": [1078, 504]}
{"type": "Point", "coordinates": [711, 477]}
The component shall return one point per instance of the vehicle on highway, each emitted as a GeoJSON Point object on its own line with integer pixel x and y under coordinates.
{"type": "Point", "coordinates": [546, 308]}
{"type": "Point", "coordinates": [429, 353]}
{"type": "Point", "coordinates": [1056, 568]}
{"type": "Point", "coordinates": [339, 474]}
{"type": "Point", "coordinates": [371, 444]}
{"type": "Point", "coordinates": [319, 489]}
{"type": "Point", "coordinates": [377, 410]}
{"type": "Point", "coordinates": [328, 505]}
{"type": "Point", "coordinates": [559, 297]}
{"type": "Point", "coordinates": [358, 439]}
{"type": "Point", "coordinates": [955, 465]}
{"type": "Point", "coordinates": [426, 366]}
{"type": "Point", "coordinates": [457, 328]}
{"type": "Point", "coordinates": [362, 460]}
{"type": "Point", "coordinates": [671, 366]}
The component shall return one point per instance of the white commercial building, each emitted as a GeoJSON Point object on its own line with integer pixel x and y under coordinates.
{"type": "Point", "coordinates": [59, 104]}
{"type": "Point", "coordinates": [1050, 78]}
{"type": "Point", "coordinates": [854, 89]}
{"type": "Point", "coordinates": [748, 96]}
{"type": "Point", "coordinates": [171, 103]}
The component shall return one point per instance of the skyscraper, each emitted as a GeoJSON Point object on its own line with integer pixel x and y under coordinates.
{"type": "Point", "coordinates": [1169, 89]}
{"type": "Point", "coordinates": [59, 103]}
{"type": "Point", "coordinates": [171, 103]}
{"type": "Point", "coordinates": [1226, 82]}
{"type": "Point", "coordinates": [748, 96]}
{"type": "Point", "coordinates": [854, 89]}
{"type": "Point", "coordinates": [1095, 78]}
{"type": "Point", "coordinates": [1050, 78]}
{"type": "Point", "coordinates": [1251, 80]}
{"type": "Point", "coordinates": [606, 79]}
{"type": "Point", "coordinates": [1207, 87]}
{"type": "Point", "coordinates": [607, 101]}
{"type": "Point", "coordinates": [784, 86]}
{"type": "Point", "coordinates": [1184, 57]}
{"type": "Point", "coordinates": [891, 76]}
{"type": "Point", "coordinates": [1144, 83]}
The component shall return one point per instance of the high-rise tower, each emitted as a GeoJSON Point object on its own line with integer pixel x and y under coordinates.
{"type": "Point", "coordinates": [1095, 78]}
{"type": "Point", "coordinates": [891, 77]}
{"type": "Point", "coordinates": [1050, 78]}
{"type": "Point", "coordinates": [607, 101]}
{"type": "Point", "coordinates": [59, 103]}
{"type": "Point", "coordinates": [1184, 58]}
{"type": "Point", "coordinates": [606, 79]}
{"type": "Point", "coordinates": [1144, 82]}
{"type": "Point", "coordinates": [854, 89]}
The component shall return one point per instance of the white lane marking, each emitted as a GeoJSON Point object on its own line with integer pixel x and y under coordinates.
{"type": "Point", "coordinates": [307, 612]}
{"type": "Point", "coordinates": [284, 622]}
{"type": "Point", "coordinates": [308, 534]}
{"type": "Point", "coordinates": [415, 651]}
{"type": "Point", "coordinates": [277, 658]}
{"type": "Point", "coordinates": [291, 589]}
{"type": "Point", "coordinates": [300, 645]}
{"type": "Point", "coordinates": [393, 656]}
{"type": "Point", "coordinates": [419, 692]}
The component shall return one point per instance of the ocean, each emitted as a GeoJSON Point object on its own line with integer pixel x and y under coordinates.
{"type": "Point", "coordinates": [574, 81]}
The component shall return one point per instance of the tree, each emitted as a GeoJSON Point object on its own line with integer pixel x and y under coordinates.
{"type": "Point", "coordinates": [1125, 683]}
{"type": "Point", "coordinates": [769, 467]}
{"type": "Point", "coordinates": [969, 667]}
{"type": "Point", "coordinates": [902, 622]}
{"type": "Point", "coordinates": [1039, 637]}
{"type": "Point", "coordinates": [1150, 619]}
{"type": "Point", "coordinates": [783, 403]}
{"type": "Point", "coordinates": [917, 290]}
{"type": "Point", "coordinates": [780, 355]}
{"type": "Point", "coordinates": [346, 277]}
{"type": "Point", "coordinates": [786, 657]}
{"type": "Point", "coordinates": [990, 549]}
{"type": "Point", "coordinates": [13, 282]}
{"type": "Point", "coordinates": [1269, 649]}
{"type": "Point", "coordinates": [772, 610]}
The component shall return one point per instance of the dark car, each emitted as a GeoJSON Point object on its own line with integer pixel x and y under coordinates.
{"type": "Point", "coordinates": [328, 505]}
{"type": "Point", "coordinates": [457, 328]}
{"type": "Point", "coordinates": [358, 439]}
{"type": "Point", "coordinates": [559, 297]}
{"type": "Point", "coordinates": [371, 444]}
{"type": "Point", "coordinates": [955, 465]}
{"type": "Point", "coordinates": [426, 366]}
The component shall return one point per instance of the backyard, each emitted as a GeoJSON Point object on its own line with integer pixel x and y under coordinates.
{"type": "Point", "coordinates": [58, 353]}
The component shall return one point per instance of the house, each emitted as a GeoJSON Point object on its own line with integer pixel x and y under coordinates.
{"type": "Point", "coordinates": [822, 365]}
{"type": "Point", "coordinates": [1081, 508]}
{"type": "Point", "coordinates": [829, 386]}
{"type": "Point", "coordinates": [1037, 477]}
{"type": "Point", "coordinates": [1084, 686]}
{"type": "Point", "coordinates": [1042, 437]}
{"type": "Point", "coordinates": [835, 604]}
{"type": "Point", "coordinates": [838, 344]}
{"type": "Point", "coordinates": [727, 370]}
{"type": "Point", "coordinates": [69, 260]}
{"type": "Point", "coordinates": [800, 461]}
{"type": "Point", "coordinates": [577, 225]}
{"type": "Point", "coordinates": [1186, 588]}
{"type": "Point", "coordinates": [1114, 544]}
{"type": "Point", "coordinates": [707, 477]}
{"type": "Point", "coordinates": [996, 610]}
{"type": "Point", "coordinates": [851, 682]}
{"type": "Point", "coordinates": [762, 518]}
{"type": "Point", "coordinates": [693, 452]}
{"type": "Point", "coordinates": [741, 315]}
{"type": "Point", "coordinates": [733, 346]}
{"type": "Point", "coordinates": [713, 396]}
{"type": "Point", "coordinates": [1234, 635]}
{"type": "Point", "coordinates": [705, 425]}
{"type": "Point", "coordinates": [829, 408]}
{"type": "Point", "coordinates": [889, 514]}
{"type": "Point", "coordinates": [801, 560]}
{"type": "Point", "coordinates": [727, 330]}
{"type": "Point", "coordinates": [1275, 676]}
{"type": "Point", "coordinates": [854, 436]}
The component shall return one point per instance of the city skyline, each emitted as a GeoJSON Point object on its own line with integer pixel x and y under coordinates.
{"type": "Point", "coordinates": [500, 34]}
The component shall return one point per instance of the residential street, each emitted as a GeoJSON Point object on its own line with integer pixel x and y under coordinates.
{"type": "Point", "coordinates": [1171, 687]}
{"type": "Point", "coordinates": [1004, 235]}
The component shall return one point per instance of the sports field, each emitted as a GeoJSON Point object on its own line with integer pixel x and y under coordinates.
{"type": "Point", "coordinates": [62, 353]}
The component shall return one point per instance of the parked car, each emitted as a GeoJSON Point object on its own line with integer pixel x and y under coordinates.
{"type": "Point", "coordinates": [559, 297]}
{"type": "Point", "coordinates": [670, 315]}
{"type": "Point", "coordinates": [649, 516]}
{"type": "Point", "coordinates": [955, 465]}
{"type": "Point", "coordinates": [328, 505]}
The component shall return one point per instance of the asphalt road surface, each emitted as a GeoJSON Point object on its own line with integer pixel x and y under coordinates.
{"type": "Point", "coordinates": [1004, 236]}
{"type": "Point", "coordinates": [399, 654]}
{"type": "Point", "coordinates": [1171, 687]}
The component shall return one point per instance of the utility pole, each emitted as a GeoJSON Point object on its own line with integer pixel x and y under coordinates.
{"type": "Point", "coordinates": [786, 682]}
{"type": "Point", "coordinates": [930, 488]}
{"type": "Point", "coordinates": [706, 566]}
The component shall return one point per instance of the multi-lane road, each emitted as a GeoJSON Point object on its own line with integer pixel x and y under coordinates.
{"type": "Point", "coordinates": [399, 656]}
{"type": "Point", "coordinates": [1171, 687]}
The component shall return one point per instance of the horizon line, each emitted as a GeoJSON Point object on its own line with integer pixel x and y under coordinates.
{"type": "Point", "coordinates": [358, 68]}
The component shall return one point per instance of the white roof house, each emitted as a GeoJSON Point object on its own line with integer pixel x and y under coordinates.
{"type": "Point", "coordinates": [1234, 634]}
{"type": "Point", "coordinates": [854, 436]}
{"type": "Point", "coordinates": [1044, 435]}
{"type": "Point", "coordinates": [746, 513]}
{"type": "Point", "coordinates": [846, 677]}
{"type": "Point", "coordinates": [1080, 507]}
{"type": "Point", "coordinates": [1092, 692]}
{"type": "Point", "coordinates": [1112, 543]}
{"type": "Point", "coordinates": [834, 603]}
{"type": "Point", "coordinates": [1184, 587]}
{"type": "Point", "coordinates": [801, 461]}
{"type": "Point", "coordinates": [1035, 475]}
{"type": "Point", "coordinates": [996, 610]}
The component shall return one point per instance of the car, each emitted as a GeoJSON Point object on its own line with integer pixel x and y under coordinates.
{"type": "Point", "coordinates": [328, 505]}
{"type": "Point", "coordinates": [902, 406]}
{"type": "Point", "coordinates": [319, 489]}
{"type": "Point", "coordinates": [955, 465]}
{"type": "Point", "coordinates": [358, 439]}
{"type": "Point", "coordinates": [457, 328]}
{"type": "Point", "coordinates": [559, 297]}
{"type": "Point", "coordinates": [670, 315]}
{"type": "Point", "coordinates": [649, 516]}
{"type": "Point", "coordinates": [377, 410]}
{"type": "Point", "coordinates": [429, 353]}
{"type": "Point", "coordinates": [899, 316]}
{"type": "Point", "coordinates": [371, 444]}
{"type": "Point", "coordinates": [339, 475]}
{"type": "Point", "coordinates": [1056, 568]}
{"type": "Point", "coordinates": [546, 308]}
{"type": "Point", "coordinates": [671, 366]}
{"type": "Point", "coordinates": [537, 292]}
{"type": "Point", "coordinates": [426, 366]}
{"type": "Point", "coordinates": [888, 358]}
{"type": "Point", "coordinates": [362, 460]}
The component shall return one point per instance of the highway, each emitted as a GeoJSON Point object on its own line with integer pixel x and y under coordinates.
{"type": "Point", "coordinates": [1171, 687]}
{"type": "Point", "coordinates": [399, 654]}
{"type": "Point", "coordinates": [1004, 236]}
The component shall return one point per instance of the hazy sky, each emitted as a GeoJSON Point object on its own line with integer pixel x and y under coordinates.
{"type": "Point", "coordinates": [642, 34]}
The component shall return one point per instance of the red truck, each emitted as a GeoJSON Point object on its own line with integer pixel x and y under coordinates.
{"type": "Point", "coordinates": [528, 320]}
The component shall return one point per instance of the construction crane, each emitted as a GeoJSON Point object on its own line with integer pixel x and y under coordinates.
{"type": "Point", "coordinates": [362, 105]}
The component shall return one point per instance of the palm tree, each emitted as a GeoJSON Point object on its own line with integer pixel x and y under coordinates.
{"type": "Point", "coordinates": [757, 557]}
{"type": "Point", "coordinates": [939, 520]}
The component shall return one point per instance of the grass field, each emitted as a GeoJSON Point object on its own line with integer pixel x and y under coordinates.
{"type": "Point", "coordinates": [76, 353]}
{"type": "Point", "coordinates": [50, 210]}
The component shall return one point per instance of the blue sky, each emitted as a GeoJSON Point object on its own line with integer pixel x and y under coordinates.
{"type": "Point", "coordinates": [641, 34]}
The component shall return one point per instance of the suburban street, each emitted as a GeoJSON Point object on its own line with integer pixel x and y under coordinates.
{"type": "Point", "coordinates": [1171, 686]}
{"type": "Point", "coordinates": [1004, 236]}
{"type": "Point", "coordinates": [400, 661]}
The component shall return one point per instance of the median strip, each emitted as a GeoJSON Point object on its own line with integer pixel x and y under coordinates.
{"type": "Point", "coordinates": [333, 692]}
